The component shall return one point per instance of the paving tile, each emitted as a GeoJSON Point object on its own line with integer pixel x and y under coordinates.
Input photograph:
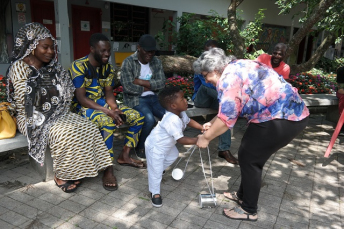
{"type": "Point", "coordinates": [214, 224]}
{"type": "Point", "coordinates": [4, 224]}
{"type": "Point", "coordinates": [49, 220]}
{"type": "Point", "coordinates": [20, 196]}
{"type": "Point", "coordinates": [313, 224]}
{"type": "Point", "coordinates": [82, 222]}
{"type": "Point", "coordinates": [9, 203]}
{"type": "Point", "coordinates": [95, 195]}
{"type": "Point", "coordinates": [84, 200]}
{"type": "Point", "coordinates": [27, 211]}
{"type": "Point", "coordinates": [104, 208]}
{"type": "Point", "coordinates": [94, 215]}
{"type": "Point", "coordinates": [72, 206]}
{"type": "Point", "coordinates": [13, 218]}
{"type": "Point", "coordinates": [39, 204]}
{"type": "Point", "coordinates": [61, 213]}
{"type": "Point", "coordinates": [181, 224]}
{"type": "Point", "coordinates": [51, 198]}
{"type": "Point", "coordinates": [3, 210]}
{"type": "Point", "coordinates": [160, 217]}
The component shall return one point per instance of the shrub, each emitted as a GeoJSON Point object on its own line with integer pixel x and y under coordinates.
{"type": "Point", "coordinates": [308, 83]}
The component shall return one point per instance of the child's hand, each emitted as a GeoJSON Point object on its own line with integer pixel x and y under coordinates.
{"type": "Point", "coordinates": [206, 126]}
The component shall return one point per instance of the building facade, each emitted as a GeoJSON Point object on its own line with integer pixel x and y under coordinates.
{"type": "Point", "coordinates": [124, 21]}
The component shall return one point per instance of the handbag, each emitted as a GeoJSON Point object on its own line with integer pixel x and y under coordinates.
{"type": "Point", "coordinates": [8, 126]}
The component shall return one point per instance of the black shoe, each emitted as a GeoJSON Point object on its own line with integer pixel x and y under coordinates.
{"type": "Point", "coordinates": [140, 154]}
{"type": "Point", "coordinates": [156, 200]}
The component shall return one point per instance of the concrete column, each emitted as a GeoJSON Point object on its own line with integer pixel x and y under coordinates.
{"type": "Point", "coordinates": [62, 32]}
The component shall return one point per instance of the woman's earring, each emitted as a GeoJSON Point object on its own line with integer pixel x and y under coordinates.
{"type": "Point", "coordinates": [33, 52]}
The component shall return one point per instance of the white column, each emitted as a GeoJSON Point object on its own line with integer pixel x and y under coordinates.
{"type": "Point", "coordinates": [63, 33]}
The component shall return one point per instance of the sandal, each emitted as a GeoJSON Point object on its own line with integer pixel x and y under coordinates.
{"type": "Point", "coordinates": [233, 196]}
{"type": "Point", "coordinates": [64, 187]}
{"type": "Point", "coordinates": [110, 180]}
{"type": "Point", "coordinates": [77, 182]}
{"type": "Point", "coordinates": [142, 165]}
{"type": "Point", "coordinates": [237, 213]}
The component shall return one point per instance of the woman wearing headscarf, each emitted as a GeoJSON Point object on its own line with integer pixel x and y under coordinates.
{"type": "Point", "coordinates": [275, 112]}
{"type": "Point", "coordinates": [42, 94]}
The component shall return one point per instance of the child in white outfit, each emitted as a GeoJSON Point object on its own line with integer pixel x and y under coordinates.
{"type": "Point", "coordinates": [160, 146]}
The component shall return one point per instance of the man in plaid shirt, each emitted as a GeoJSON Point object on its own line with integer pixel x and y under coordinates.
{"type": "Point", "coordinates": [142, 77]}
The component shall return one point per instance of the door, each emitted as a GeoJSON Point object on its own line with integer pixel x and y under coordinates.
{"type": "Point", "coordinates": [44, 13]}
{"type": "Point", "coordinates": [85, 22]}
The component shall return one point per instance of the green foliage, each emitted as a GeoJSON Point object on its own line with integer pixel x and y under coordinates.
{"type": "Point", "coordinates": [328, 65]}
{"type": "Point", "coordinates": [192, 35]}
{"type": "Point", "coordinates": [194, 32]}
{"type": "Point", "coordinates": [332, 20]}
{"type": "Point", "coordinates": [254, 55]}
{"type": "Point", "coordinates": [252, 30]}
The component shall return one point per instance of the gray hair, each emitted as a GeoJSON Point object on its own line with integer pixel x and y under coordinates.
{"type": "Point", "coordinates": [213, 60]}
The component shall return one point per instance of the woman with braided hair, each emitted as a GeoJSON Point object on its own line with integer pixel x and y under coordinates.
{"type": "Point", "coordinates": [42, 94]}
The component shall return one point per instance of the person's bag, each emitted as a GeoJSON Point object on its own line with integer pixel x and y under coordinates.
{"type": "Point", "coordinates": [8, 125]}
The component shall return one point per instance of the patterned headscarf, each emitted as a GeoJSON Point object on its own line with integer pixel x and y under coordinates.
{"type": "Point", "coordinates": [49, 90]}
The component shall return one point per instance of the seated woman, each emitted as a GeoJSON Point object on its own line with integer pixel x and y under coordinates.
{"type": "Point", "coordinates": [42, 95]}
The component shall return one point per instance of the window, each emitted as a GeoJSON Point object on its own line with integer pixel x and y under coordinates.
{"type": "Point", "coordinates": [128, 23]}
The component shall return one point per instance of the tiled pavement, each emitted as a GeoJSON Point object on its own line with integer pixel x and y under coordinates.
{"type": "Point", "coordinates": [300, 189]}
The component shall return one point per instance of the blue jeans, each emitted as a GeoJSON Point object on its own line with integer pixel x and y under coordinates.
{"type": "Point", "coordinates": [207, 97]}
{"type": "Point", "coordinates": [149, 106]}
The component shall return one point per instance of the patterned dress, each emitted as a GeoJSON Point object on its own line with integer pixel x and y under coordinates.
{"type": "Point", "coordinates": [94, 80]}
{"type": "Point", "coordinates": [77, 148]}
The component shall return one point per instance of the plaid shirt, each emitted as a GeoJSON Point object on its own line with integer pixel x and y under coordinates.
{"type": "Point", "coordinates": [131, 70]}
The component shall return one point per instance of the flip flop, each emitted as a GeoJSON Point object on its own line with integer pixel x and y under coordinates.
{"type": "Point", "coordinates": [80, 182]}
{"type": "Point", "coordinates": [133, 164]}
{"type": "Point", "coordinates": [110, 180]}
{"type": "Point", "coordinates": [233, 197]}
{"type": "Point", "coordinates": [242, 214]}
{"type": "Point", "coordinates": [64, 186]}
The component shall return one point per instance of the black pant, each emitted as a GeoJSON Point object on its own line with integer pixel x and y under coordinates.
{"type": "Point", "coordinates": [259, 142]}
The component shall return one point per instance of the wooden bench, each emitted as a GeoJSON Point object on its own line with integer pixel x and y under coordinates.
{"type": "Point", "coordinates": [328, 101]}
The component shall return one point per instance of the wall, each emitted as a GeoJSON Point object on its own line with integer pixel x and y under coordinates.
{"type": "Point", "coordinates": [250, 9]}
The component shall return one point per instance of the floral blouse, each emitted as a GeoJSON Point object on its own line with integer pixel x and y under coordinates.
{"type": "Point", "coordinates": [252, 90]}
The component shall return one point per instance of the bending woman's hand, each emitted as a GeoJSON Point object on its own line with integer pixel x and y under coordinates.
{"type": "Point", "coordinates": [202, 142]}
{"type": "Point", "coordinates": [206, 126]}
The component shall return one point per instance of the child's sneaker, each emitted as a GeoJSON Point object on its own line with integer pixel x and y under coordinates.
{"type": "Point", "coordinates": [156, 200]}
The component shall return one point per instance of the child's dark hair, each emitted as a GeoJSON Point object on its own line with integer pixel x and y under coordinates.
{"type": "Point", "coordinates": [168, 95]}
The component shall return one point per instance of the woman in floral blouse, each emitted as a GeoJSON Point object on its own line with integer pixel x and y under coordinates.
{"type": "Point", "coordinates": [275, 112]}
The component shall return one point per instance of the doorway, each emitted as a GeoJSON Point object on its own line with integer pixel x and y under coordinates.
{"type": "Point", "coordinates": [44, 13]}
{"type": "Point", "coordinates": [85, 22]}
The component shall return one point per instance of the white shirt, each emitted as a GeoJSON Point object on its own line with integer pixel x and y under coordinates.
{"type": "Point", "coordinates": [168, 131]}
{"type": "Point", "coordinates": [145, 74]}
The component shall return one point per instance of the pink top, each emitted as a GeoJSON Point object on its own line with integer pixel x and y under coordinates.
{"type": "Point", "coordinates": [283, 69]}
{"type": "Point", "coordinates": [252, 90]}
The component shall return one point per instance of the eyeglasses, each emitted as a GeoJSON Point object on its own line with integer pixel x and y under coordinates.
{"type": "Point", "coordinates": [205, 76]}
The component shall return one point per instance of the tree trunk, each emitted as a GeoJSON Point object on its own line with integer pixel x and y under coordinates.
{"type": "Point", "coordinates": [329, 39]}
{"type": "Point", "coordinates": [177, 64]}
{"type": "Point", "coordinates": [316, 16]}
{"type": "Point", "coordinates": [237, 40]}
